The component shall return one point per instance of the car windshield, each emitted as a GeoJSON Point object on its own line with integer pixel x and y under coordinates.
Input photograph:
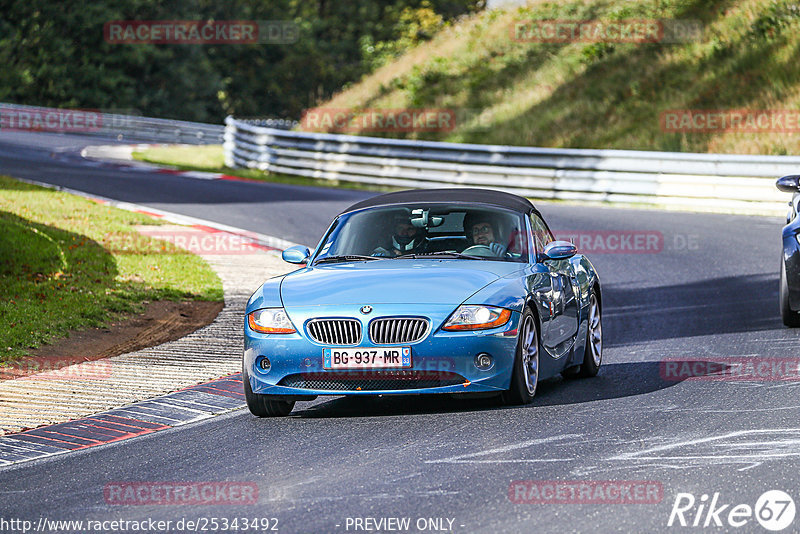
{"type": "Point", "coordinates": [460, 231]}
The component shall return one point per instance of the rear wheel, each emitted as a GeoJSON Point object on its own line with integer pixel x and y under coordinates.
{"type": "Point", "coordinates": [264, 405]}
{"type": "Point", "coordinates": [790, 317]}
{"type": "Point", "coordinates": [525, 375]}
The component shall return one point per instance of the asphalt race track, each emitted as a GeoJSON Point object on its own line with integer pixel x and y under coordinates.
{"type": "Point", "coordinates": [708, 290]}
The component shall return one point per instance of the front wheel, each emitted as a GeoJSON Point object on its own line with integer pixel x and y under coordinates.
{"type": "Point", "coordinates": [525, 374]}
{"type": "Point", "coordinates": [790, 317]}
{"type": "Point", "coordinates": [593, 354]}
{"type": "Point", "coordinates": [264, 405]}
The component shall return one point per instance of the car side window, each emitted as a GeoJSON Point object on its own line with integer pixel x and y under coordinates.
{"type": "Point", "coordinates": [541, 233]}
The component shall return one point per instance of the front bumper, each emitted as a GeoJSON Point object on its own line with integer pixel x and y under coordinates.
{"type": "Point", "coordinates": [443, 362]}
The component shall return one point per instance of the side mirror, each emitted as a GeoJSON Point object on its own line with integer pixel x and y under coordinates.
{"type": "Point", "coordinates": [296, 254]}
{"type": "Point", "coordinates": [789, 184]}
{"type": "Point", "coordinates": [560, 250]}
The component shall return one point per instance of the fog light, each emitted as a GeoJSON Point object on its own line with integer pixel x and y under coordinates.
{"type": "Point", "coordinates": [484, 361]}
{"type": "Point", "coordinates": [265, 364]}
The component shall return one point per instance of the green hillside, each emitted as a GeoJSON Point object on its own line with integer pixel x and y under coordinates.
{"type": "Point", "coordinates": [601, 94]}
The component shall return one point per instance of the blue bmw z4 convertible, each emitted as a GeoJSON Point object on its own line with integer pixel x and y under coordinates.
{"type": "Point", "coordinates": [424, 291]}
{"type": "Point", "coordinates": [790, 264]}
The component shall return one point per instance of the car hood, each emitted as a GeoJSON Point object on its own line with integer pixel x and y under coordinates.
{"type": "Point", "coordinates": [392, 281]}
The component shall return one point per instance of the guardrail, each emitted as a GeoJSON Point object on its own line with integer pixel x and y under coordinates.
{"type": "Point", "coordinates": [683, 180]}
{"type": "Point", "coordinates": [120, 126]}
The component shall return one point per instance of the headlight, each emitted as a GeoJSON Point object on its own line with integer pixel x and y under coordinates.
{"type": "Point", "coordinates": [471, 317]}
{"type": "Point", "coordinates": [270, 321]}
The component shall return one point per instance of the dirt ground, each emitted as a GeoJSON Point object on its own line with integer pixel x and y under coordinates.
{"type": "Point", "coordinates": [161, 321]}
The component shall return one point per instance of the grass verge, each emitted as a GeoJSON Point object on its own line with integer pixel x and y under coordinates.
{"type": "Point", "coordinates": [69, 263]}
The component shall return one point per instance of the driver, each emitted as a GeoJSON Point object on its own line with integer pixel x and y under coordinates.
{"type": "Point", "coordinates": [406, 239]}
{"type": "Point", "coordinates": [482, 230]}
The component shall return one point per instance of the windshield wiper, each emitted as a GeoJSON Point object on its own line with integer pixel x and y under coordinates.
{"type": "Point", "coordinates": [348, 257]}
{"type": "Point", "coordinates": [444, 253]}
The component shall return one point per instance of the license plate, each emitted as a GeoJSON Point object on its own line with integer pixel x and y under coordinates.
{"type": "Point", "coordinates": [366, 358]}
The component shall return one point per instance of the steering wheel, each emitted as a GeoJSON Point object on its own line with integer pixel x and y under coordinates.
{"type": "Point", "coordinates": [482, 251]}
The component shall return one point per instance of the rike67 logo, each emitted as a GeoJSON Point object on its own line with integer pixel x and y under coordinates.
{"type": "Point", "coordinates": [774, 510]}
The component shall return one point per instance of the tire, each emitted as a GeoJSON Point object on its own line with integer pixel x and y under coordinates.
{"type": "Point", "coordinates": [264, 405]}
{"type": "Point", "coordinates": [525, 374]}
{"type": "Point", "coordinates": [790, 317]}
{"type": "Point", "coordinates": [593, 353]}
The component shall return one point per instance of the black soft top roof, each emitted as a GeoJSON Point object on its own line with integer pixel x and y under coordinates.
{"type": "Point", "coordinates": [480, 196]}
